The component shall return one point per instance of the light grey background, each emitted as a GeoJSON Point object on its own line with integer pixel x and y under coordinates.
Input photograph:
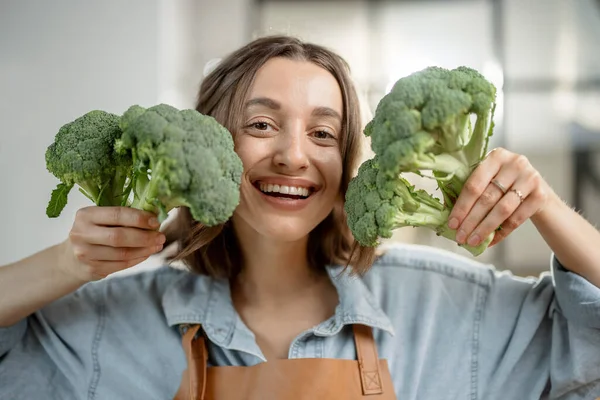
{"type": "Point", "coordinates": [62, 58]}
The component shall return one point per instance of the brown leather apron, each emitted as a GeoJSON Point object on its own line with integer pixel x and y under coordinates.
{"type": "Point", "coordinates": [291, 379]}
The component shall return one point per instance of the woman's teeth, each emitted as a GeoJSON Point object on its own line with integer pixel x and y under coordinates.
{"type": "Point", "coordinates": [293, 190]}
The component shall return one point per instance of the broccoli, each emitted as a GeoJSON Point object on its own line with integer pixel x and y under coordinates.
{"type": "Point", "coordinates": [83, 153]}
{"type": "Point", "coordinates": [435, 120]}
{"type": "Point", "coordinates": [181, 158]}
{"type": "Point", "coordinates": [424, 124]}
{"type": "Point", "coordinates": [165, 157]}
{"type": "Point", "coordinates": [377, 204]}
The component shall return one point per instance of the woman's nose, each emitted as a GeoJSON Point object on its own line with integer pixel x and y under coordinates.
{"type": "Point", "coordinates": [291, 150]}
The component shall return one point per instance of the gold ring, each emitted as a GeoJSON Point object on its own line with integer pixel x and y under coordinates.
{"type": "Point", "coordinates": [500, 186]}
{"type": "Point", "coordinates": [518, 193]}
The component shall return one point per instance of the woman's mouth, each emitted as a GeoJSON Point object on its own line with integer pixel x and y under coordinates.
{"type": "Point", "coordinates": [286, 196]}
{"type": "Point", "coordinates": [284, 191]}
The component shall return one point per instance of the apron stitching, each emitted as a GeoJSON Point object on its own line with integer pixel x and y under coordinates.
{"type": "Point", "coordinates": [375, 377]}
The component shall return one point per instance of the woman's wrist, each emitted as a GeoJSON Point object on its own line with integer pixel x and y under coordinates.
{"type": "Point", "coordinates": [572, 239]}
{"type": "Point", "coordinates": [31, 283]}
{"type": "Point", "coordinates": [63, 263]}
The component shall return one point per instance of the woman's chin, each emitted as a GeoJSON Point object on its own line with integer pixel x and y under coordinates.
{"type": "Point", "coordinates": [276, 228]}
{"type": "Point", "coordinates": [285, 229]}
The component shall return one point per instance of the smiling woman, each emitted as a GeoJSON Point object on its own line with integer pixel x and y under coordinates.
{"type": "Point", "coordinates": [295, 117]}
{"type": "Point", "coordinates": [279, 302]}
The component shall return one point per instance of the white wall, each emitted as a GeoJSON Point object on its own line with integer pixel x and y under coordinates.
{"type": "Point", "coordinates": [62, 58]}
{"type": "Point", "coordinates": [554, 41]}
{"type": "Point", "coordinates": [58, 60]}
{"type": "Point", "coordinates": [192, 33]}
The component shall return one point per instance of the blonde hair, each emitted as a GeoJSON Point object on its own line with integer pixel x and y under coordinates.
{"type": "Point", "coordinates": [214, 250]}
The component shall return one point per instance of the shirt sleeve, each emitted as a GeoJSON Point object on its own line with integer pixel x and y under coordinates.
{"type": "Point", "coordinates": [575, 347]}
{"type": "Point", "coordinates": [541, 335]}
{"type": "Point", "coordinates": [56, 345]}
{"type": "Point", "coordinates": [11, 335]}
{"type": "Point", "coordinates": [577, 298]}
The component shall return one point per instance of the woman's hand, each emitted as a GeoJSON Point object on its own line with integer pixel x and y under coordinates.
{"type": "Point", "coordinates": [502, 192]}
{"type": "Point", "coordinates": [104, 240]}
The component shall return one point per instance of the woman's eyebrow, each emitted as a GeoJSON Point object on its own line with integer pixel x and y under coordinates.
{"type": "Point", "coordinates": [274, 105]}
{"type": "Point", "coordinates": [263, 101]}
{"type": "Point", "coordinates": [326, 112]}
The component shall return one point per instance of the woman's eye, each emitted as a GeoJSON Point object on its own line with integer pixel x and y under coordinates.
{"type": "Point", "coordinates": [323, 135]}
{"type": "Point", "coordinates": [261, 126]}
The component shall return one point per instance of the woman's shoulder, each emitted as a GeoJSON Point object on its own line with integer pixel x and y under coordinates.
{"type": "Point", "coordinates": [404, 261]}
{"type": "Point", "coordinates": [132, 291]}
{"type": "Point", "coordinates": [147, 279]}
{"type": "Point", "coordinates": [428, 286]}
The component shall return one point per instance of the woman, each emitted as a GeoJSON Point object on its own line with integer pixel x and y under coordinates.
{"type": "Point", "coordinates": [269, 301]}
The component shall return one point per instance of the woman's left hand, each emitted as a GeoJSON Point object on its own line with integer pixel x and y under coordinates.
{"type": "Point", "coordinates": [503, 191]}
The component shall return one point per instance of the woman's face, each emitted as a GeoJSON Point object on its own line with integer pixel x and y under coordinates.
{"type": "Point", "coordinates": [289, 145]}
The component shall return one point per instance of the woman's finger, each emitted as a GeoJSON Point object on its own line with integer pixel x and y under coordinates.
{"type": "Point", "coordinates": [117, 236]}
{"type": "Point", "coordinates": [526, 210]}
{"type": "Point", "coordinates": [506, 207]}
{"type": "Point", "coordinates": [533, 202]}
{"type": "Point", "coordinates": [108, 253]}
{"type": "Point", "coordinates": [488, 201]}
{"type": "Point", "coordinates": [474, 187]}
{"type": "Point", "coordinates": [119, 216]}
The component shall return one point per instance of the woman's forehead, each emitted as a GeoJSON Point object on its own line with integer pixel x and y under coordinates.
{"type": "Point", "coordinates": [282, 81]}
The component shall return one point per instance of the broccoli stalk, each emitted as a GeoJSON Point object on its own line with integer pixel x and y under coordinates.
{"type": "Point", "coordinates": [111, 193]}
{"type": "Point", "coordinates": [148, 191]}
{"type": "Point", "coordinates": [377, 204]}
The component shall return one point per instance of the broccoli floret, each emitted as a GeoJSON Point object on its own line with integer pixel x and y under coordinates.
{"type": "Point", "coordinates": [166, 157]}
{"type": "Point", "coordinates": [181, 158]}
{"type": "Point", "coordinates": [423, 125]}
{"type": "Point", "coordinates": [377, 204]}
{"type": "Point", "coordinates": [83, 154]}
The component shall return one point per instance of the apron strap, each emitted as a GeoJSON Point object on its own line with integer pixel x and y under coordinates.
{"type": "Point", "coordinates": [368, 360]}
{"type": "Point", "coordinates": [197, 358]}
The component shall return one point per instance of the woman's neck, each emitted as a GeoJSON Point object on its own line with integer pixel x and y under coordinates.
{"type": "Point", "coordinates": [278, 294]}
{"type": "Point", "coordinates": [274, 272]}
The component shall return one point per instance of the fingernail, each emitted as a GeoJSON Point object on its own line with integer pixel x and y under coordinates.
{"type": "Point", "coordinates": [474, 240]}
{"type": "Point", "coordinates": [461, 236]}
{"type": "Point", "coordinates": [158, 248]}
{"type": "Point", "coordinates": [160, 240]}
{"type": "Point", "coordinates": [153, 222]}
{"type": "Point", "coordinates": [453, 223]}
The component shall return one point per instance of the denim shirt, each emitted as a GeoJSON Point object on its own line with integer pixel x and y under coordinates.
{"type": "Point", "coordinates": [450, 328]}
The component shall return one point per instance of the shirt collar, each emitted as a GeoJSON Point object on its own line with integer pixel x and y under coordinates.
{"type": "Point", "coordinates": [198, 299]}
{"type": "Point", "coordinates": [356, 305]}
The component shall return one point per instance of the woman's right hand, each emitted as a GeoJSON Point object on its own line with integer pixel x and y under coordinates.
{"type": "Point", "coordinates": [105, 240]}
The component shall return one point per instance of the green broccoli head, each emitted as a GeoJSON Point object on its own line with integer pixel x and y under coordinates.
{"type": "Point", "coordinates": [83, 154]}
{"type": "Point", "coordinates": [377, 204]}
{"type": "Point", "coordinates": [426, 124]}
{"type": "Point", "coordinates": [434, 123]}
{"type": "Point", "coordinates": [435, 104]}
{"type": "Point", "coordinates": [181, 158]}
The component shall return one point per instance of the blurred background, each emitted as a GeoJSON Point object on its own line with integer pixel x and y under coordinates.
{"type": "Point", "coordinates": [62, 58]}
